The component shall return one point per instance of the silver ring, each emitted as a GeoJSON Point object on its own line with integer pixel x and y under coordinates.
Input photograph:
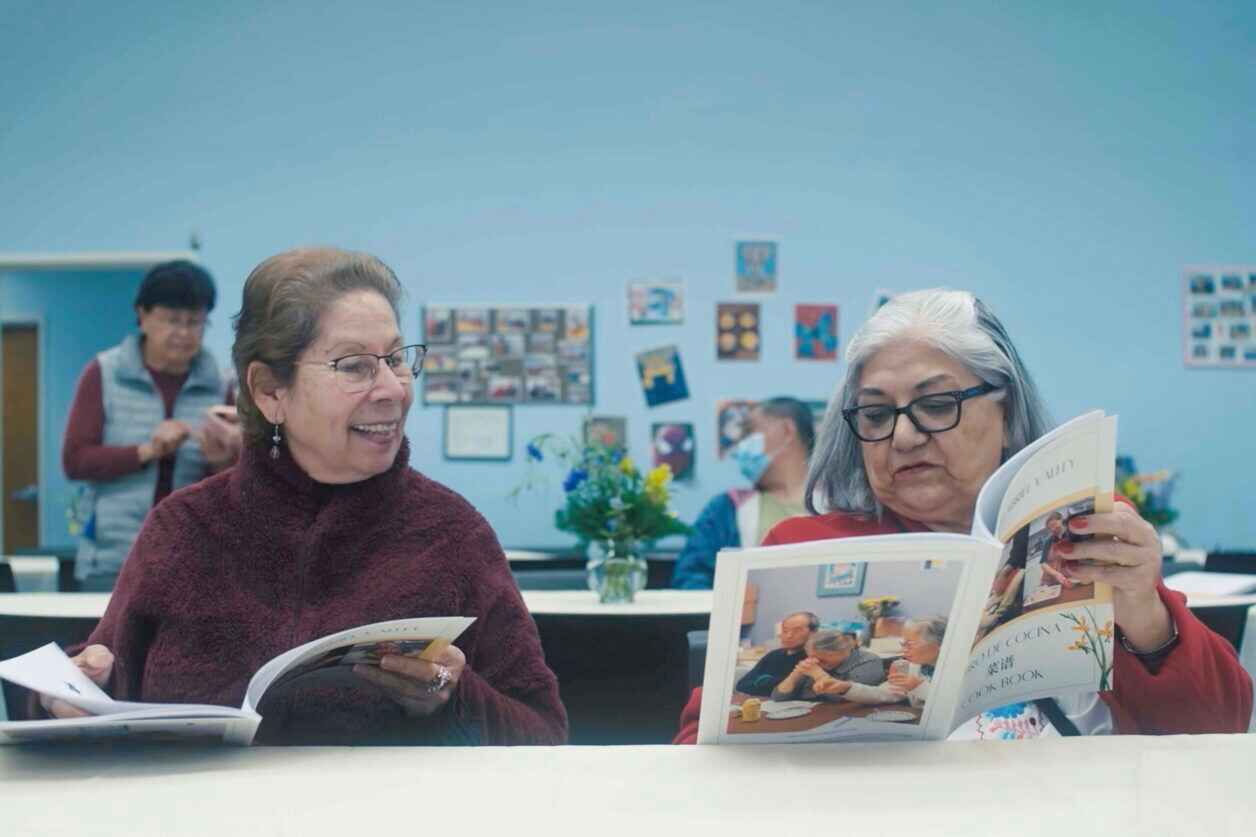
{"type": "Point", "coordinates": [442, 680]}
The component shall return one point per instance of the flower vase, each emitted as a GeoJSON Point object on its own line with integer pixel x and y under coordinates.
{"type": "Point", "coordinates": [616, 571]}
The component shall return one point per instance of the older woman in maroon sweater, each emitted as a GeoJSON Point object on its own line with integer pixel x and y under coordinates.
{"type": "Point", "coordinates": [323, 526]}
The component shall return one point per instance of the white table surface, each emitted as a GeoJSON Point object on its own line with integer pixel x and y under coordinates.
{"type": "Point", "coordinates": [1060, 787]}
{"type": "Point", "coordinates": [545, 602]}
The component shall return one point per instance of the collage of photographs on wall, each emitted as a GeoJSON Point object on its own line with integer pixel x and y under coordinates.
{"type": "Point", "coordinates": [1220, 316]}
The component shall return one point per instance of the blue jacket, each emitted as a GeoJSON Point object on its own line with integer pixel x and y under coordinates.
{"type": "Point", "coordinates": [721, 525]}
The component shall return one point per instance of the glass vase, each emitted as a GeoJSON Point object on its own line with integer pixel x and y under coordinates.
{"type": "Point", "coordinates": [616, 571]}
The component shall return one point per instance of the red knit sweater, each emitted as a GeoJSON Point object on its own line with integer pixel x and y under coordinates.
{"type": "Point", "coordinates": [236, 569]}
{"type": "Point", "coordinates": [1199, 687]}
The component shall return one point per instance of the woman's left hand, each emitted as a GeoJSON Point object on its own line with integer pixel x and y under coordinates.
{"type": "Point", "coordinates": [1124, 553]}
{"type": "Point", "coordinates": [421, 687]}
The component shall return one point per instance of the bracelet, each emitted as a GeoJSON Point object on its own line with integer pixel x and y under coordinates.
{"type": "Point", "coordinates": [1164, 648]}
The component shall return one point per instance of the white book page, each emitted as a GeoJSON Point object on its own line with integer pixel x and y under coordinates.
{"type": "Point", "coordinates": [933, 575]}
{"type": "Point", "coordinates": [1062, 467]}
{"type": "Point", "coordinates": [49, 671]}
{"type": "Point", "coordinates": [1042, 634]}
{"type": "Point", "coordinates": [131, 725]}
{"type": "Point", "coordinates": [431, 633]}
{"type": "Point", "coordinates": [990, 500]}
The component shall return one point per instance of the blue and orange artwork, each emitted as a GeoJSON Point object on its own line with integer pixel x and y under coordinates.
{"type": "Point", "coordinates": [815, 332]}
{"type": "Point", "coordinates": [662, 376]}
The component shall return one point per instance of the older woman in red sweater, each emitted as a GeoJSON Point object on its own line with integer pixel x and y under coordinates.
{"type": "Point", "coordinates": [934, 400]}
{"type": "Point", "coordinates": [324, 526]}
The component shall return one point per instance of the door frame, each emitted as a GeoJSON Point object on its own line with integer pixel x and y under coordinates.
{"type": "Point", "coordinates": [41, 410]}
{"type": "Point", "coordinates": [87, 260]}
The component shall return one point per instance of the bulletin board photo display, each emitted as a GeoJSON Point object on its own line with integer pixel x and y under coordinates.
{"type": "Point", "coordinates": [1219, 316]}
{"type": "Point", "coordinates": [515, 355]}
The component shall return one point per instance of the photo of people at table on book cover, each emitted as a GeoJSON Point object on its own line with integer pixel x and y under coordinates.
{"type": "Point", "coordinates": [824, 644]}
{"type": "Point", "coordinates": [1030, 577]}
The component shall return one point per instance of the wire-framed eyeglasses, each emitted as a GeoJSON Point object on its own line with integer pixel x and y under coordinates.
{"type": "Point", "coordinates": [357, 372]}
{"type": "Point", "coordinates": [933, 413]}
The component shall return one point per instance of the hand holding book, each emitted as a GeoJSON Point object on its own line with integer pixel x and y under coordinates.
{"type": "Point", "coordinates": [95, 662]}
{"type": "Point", "coordinates": [421, 685]}
{"type": "Point", "coordinates": [1124, 554]}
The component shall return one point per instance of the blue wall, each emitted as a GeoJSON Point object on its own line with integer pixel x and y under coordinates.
{"type": "Point", "coordinates": [79, 312]}
{"type": "Point", "coordinates": [921, 593]}
{"type": "Point", "coordinates": [1062, 161]}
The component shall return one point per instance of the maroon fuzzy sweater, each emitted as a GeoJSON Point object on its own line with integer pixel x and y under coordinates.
{"type": "Point", "coordinates": [236, 569]}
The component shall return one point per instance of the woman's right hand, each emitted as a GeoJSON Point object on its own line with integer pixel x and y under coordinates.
{"type": "Point", "coordinates": [96, 661]}
{"type": "Point", "coordinates": [166, 440]}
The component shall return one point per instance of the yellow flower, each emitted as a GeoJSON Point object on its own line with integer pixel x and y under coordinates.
{"type": "Point", "coordinates": [1106, 630]}
{"type": "Point", "coordinates": [626, 466]}
{"type": "Point", "coordinates": [659, 477]}
{"type": "Point", "coordinates": [1081, 629]}
{"type": "Point", "coordinates": [656, 484]}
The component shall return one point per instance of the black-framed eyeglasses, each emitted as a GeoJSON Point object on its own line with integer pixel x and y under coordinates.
{"type": "Point", "coordinates": [356, 372]}
{"type": "Point", "coordinates": [933, 413]}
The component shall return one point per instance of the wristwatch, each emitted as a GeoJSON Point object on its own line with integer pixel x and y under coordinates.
{"type": "Point", "coordinates": [1155, 653]}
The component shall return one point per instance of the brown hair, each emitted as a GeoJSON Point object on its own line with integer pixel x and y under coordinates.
{"type": "Point", "coordinates": [284, 299]}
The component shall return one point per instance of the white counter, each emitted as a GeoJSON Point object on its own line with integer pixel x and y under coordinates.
{"type": "Point", "coordinates": [1110, 786]}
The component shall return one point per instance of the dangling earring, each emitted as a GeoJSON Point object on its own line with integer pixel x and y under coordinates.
{"type": "Point", "coordinates": [274, 448]}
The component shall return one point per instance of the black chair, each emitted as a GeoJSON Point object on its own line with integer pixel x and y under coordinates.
{"type": "Point", "coordinates": [7, 583]}
{"type": "Point", "coordinates": [1231, 562]}
{"type": "Point", "coordinates": [697, 657]}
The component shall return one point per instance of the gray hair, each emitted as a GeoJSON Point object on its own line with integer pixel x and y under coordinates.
{"type": "Point", "coordinates": [955, 322]}
{"type": "Point", "coordinates": [833, 641]}
{"type": "Point", "coordinates": [934, 628]}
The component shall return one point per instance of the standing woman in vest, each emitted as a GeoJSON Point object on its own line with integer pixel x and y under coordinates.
{"type": "Point", "coordinates": [139, 426]}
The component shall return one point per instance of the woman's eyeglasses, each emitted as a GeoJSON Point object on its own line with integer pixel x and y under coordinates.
{"type": "Point", "coordinates": [932, 413]}
{"type": "Point", "coordinates": [356, 372]}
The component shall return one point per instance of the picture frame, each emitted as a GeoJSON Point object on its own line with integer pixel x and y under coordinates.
{"type": "Point", "coordinates": [509, 354]}
{"type": "Point", "coordinates": [478, 433]}
{"type": "Point", "coordinates": [844, 579]}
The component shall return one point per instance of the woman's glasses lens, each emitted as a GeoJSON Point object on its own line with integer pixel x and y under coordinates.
{"type": "Point", "coordinates": [357, 372]}
{"type": "Point", "coordinates": [931, 414]}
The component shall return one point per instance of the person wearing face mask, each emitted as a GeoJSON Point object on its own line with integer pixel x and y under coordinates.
{"type": "Point", "coordinates": [773, 459]}
{"type": "Point", "coordinates": [324, 526]}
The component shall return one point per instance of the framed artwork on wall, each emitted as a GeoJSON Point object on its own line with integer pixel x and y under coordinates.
{"type": "Point", "coordinates": [478, 432]}
{"type": "Point", "coordinates": [841, 579]}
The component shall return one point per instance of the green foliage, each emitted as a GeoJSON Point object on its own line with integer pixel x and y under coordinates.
{"type": "Point", "coordinates": [607, 498]}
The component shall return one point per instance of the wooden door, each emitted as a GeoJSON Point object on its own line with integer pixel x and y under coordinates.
{"type": "Point", "coordinates": [20, 358]}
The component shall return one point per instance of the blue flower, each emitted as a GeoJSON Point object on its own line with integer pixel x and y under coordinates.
{"type": "Point", "coordinates": [534, 453]}
{"type": "Point", "coordinates": [577, 476]}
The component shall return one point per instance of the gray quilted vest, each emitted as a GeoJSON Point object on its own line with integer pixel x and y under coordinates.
{"type": "Point", "coordinates": [133, 409]}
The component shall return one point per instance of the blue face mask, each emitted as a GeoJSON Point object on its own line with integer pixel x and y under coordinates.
{"type": "Point", "coordinates": [751, 458]}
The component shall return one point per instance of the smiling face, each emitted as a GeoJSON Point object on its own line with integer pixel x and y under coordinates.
{"type": "Point", "coordinates": [339, 437]}
{"type": "Point", "coordinates": [930, 477]}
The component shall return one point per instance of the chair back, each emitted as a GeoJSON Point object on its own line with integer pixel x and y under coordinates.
{"type": "Point", "coordinates": [1227, 561]}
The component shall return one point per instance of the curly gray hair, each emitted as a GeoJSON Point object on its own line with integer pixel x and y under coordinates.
{"type": "Point", "coordinates": [957, 323]}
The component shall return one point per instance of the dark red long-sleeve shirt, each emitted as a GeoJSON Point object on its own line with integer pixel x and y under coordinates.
{"type": "Point", "coordinates": [231, 571]}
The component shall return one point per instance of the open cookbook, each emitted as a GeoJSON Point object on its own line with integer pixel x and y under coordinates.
{"type": "Point", "coordinates": [48, 670]}
{"type": "Point", "coordinates": [921, 631]}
